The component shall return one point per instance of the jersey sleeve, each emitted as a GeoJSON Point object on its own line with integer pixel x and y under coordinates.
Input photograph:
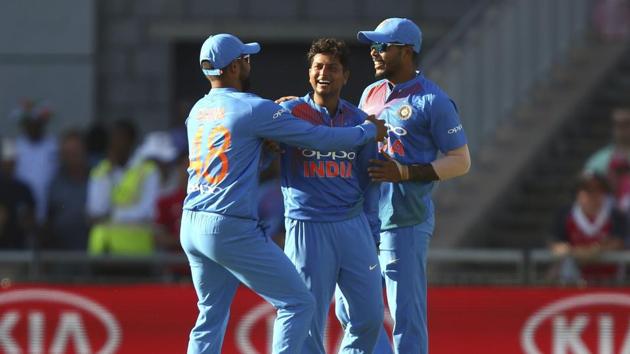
{"type": "Point", "coordinates": [446, 127]}
{"type": "Point", "coordinates": [272, 121]}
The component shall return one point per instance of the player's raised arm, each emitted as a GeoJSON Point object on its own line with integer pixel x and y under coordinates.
{"type": "Point", "coordinates": [275, 122]}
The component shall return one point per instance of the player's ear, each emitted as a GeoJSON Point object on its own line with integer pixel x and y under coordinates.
{"type": "Point", "coordinates": [346, 76]}
{"type": "Point", "coordinates": [234, 66]}
{"type": "Point", "coordinates": [409, 51]}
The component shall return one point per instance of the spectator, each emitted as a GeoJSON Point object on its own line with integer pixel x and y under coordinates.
{"type": "Point", "coordinates": [121, 199]}
{"type": "Point", "coordinates": [96, 139]}
{"type": "Point", "coordinates": [612, 19]}
{"type": "Point", "coordinates": [586, 230]}
{"type": "Point", "coordinates": [169, 215]}
{"type": "Point", "coordinates": [67, 220]}
{"type": "Point", "coordinates": [169, 208]}
{"type": "Point", "coordinates": [613, 160]}
{"type": "Point", "coordinates": [36, 153]}
{"type": "Point", "coordinates": [158, 147]}
{"type": "Point", "coordinates": [17, 205]}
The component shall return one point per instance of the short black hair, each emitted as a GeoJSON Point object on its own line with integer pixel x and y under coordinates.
{"type": "Point", "coordinates": [331, 46]}
{"type": "Point", "coordinates": [589, 180]}
{"type": "Point", "coordinates": [127, 126]}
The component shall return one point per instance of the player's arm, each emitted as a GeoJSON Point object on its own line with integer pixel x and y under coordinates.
{"type": "Point", "coordinates": [371, 190]}
{"type": "Point", "coordinates": [453, 164]}
{"type": "Point", "coordinates": [448, 135]}
{"type": "Point", "coordinates": [270, 152]}
{"type": "Point", "coordinates": [276, 123]}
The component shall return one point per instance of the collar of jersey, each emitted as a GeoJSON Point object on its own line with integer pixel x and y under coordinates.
{"type": "Point", "coordinates": [309, 99]}
{"type": "Point", "coordinates": [223, 90]}
{"type": "Point", "coordinates": [391, 86]}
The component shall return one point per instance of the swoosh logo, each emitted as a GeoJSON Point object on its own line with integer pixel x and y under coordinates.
{"type": "Point", "coordinates": [373, 266]}
{"type": "Point", "coordinates": [393, 261]}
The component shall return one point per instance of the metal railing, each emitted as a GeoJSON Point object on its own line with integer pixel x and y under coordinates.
{"type": "Point", "coordinates": [446, 266]}
{"type": "Point", "coordinates": [499, 51]}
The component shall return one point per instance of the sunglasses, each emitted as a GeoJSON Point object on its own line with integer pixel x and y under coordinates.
{"type": "Point", "coordinates": [382, 47]}
{"type": "Point", "coordinates": [244, 58]}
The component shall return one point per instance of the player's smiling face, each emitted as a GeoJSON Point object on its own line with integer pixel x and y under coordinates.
{"type": "Point", "coordinates": [327, 75]}
{"type": "Point", "coordinates": [387, 62]}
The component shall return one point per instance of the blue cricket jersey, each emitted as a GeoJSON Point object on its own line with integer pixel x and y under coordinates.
{"type": "Point", "coordinates": [328, 185]}
{"type": "Point", "coordinates": [421, 120]}
{"type": "Point", "coordinates": [226, 129]}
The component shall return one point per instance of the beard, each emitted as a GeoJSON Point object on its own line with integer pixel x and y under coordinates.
{"type": "Point", "coordinates": [382, 74]}
{"type": "Point", "coordinates": [245, 78]}
{"type": "Point", "coordinates": [246, 83]}
{"type": "Point", "coordinates": [393, 66]}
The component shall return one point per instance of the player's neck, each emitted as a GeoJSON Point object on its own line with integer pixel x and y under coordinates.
{"type": "Point", "coordinates": [331, 103]}
{"type": "Point", "coordinates": [235, 84]}
{"type": "Point", "coordinates": [403, 75]}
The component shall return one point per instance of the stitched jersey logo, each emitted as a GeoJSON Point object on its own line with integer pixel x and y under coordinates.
{"type": "Point", "coordinates": [279, 113]}
{"type": "Point", "coordinates": [404, 112]}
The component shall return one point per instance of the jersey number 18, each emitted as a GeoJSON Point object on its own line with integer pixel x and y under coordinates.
{"type": "Point", "coordinates": [202, 168]}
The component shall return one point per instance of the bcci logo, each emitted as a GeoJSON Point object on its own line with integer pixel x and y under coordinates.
{"type": "Point", "coordinates": [404, 112]}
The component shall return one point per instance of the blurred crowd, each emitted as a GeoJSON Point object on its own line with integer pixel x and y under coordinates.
{"type": "Point", "coordinates": [108, 190]}
{"type": "Point", "coordinates": [105, 190]}
{"type": "Point", "coordinates": [598, 219]}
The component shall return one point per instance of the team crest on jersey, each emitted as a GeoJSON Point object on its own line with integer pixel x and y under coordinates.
{"type": "Point", "coordinates": [404, 112]}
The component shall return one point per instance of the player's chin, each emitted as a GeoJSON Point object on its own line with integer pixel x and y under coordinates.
{"type": "Point", "coordinates": [380, 73]}
{"type": "Point", "coordinates": [323, 91]}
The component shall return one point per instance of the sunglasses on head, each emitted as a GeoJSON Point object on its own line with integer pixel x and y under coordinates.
{"type": "Point", "coordinates": [382, 47]}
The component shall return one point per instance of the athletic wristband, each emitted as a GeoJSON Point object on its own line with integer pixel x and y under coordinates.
{"type": "Point", "coordinates": [422, 173]}
{"type": "Point", "coordinates": [403, 170]}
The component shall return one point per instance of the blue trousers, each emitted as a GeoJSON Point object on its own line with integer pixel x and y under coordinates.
{"type": "Point", "coordinates": [403, 260]}
{"type": "Point", "coordinates": [223, 251]}
{"type": "Point", "coordinates": [342, 254]}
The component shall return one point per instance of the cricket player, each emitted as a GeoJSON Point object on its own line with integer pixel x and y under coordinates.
{"type": "Point", "coordinates": [220, 232]}
{"type": "Point", "coordinates": [422, 121]}
{"type": "Point", "coordinates": [331, 208]}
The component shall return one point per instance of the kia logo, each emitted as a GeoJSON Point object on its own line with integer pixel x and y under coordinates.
{"type": "Point", "coordinates": [27, 314]}
{"type": "Point", "coordinates": [580, 324]}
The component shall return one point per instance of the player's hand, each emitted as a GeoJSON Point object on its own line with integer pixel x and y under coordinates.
{"type": "Point", "coordinates": [381, 129]}
{"type": "Point", "coordinates": [285, 98]}
{"type": "Point", "coordinates": [272, 146]}
{"type": "Point", "coordinates": [385, 171]}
